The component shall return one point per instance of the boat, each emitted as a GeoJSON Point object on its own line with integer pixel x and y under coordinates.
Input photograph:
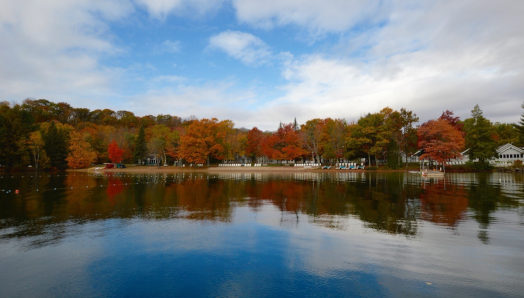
{"type": "Point", "coordinates": [427, 173]}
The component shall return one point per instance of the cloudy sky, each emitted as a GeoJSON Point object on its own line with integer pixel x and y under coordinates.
{"type": "Point", "coordinates": [259, 62]}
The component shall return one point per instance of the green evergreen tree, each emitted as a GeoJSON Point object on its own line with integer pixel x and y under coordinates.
{"type": "Point", "coordinates": [15, 126]}
{"type": "Point", "coordinates": [56, 145]}
{"type": "Point", "coordinates": [479, 138]}
{"type": "Point", "coordinates": [392, 156]}
{"type": "Point", "coordinates": [140, 145]}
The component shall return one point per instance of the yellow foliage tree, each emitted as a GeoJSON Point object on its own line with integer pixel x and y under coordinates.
{"type": "Point", "coordinates": [36, 145]}
{"type": "Point", "coordinates": [81, 155]}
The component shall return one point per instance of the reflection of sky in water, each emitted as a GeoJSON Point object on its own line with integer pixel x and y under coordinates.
{"type": "Point", "coordinates": [266, 250]}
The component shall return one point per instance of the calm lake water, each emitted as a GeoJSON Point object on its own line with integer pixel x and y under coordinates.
{"type": "Point", "coordinates": [261, 235]}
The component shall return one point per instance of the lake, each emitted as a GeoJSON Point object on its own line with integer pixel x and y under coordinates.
{"type": "Point", "coordinates": [303, 234]}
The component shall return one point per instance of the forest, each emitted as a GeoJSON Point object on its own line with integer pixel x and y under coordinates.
{"type": "Point", "coordinates": [45, 135]}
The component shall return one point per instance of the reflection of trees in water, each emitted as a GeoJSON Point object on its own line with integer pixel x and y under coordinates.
{"type": "Point", "coordinates": [386, 204]}
{"type": "Point", "coordinates": [485, 197]}
{"type": "Point", "coordinates": [391, 203]}
{"type": "Point", "coordinates": [381, 203]}
{"type": "Point", "coordinates": [443, 203]}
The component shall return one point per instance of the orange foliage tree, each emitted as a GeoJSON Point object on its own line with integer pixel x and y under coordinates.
{"type": "Point", "coordinates": [283, 145]}
{"type": "Point", "coordinates": [115, 153]}
{"type": "Point", "coordinates": [81, 155]}
{"type": "Point", "coordinates": [204, 139]}
{"type": "Point", "coordinates": [254, 142]}
{"type": "Point", "coordinates": [440, 141]}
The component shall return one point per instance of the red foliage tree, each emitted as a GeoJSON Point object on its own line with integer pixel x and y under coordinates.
{"type": "Point", "coordinates": [440, 141]}
{"type": "Point", "coordinates": [254, 142]}
{"type": "Point", "coordinates": [268, 144]}
{"type": "Point", "coordinates": [283, 145]}
{"type": "Point", "coordinates": [115, 153]}
{"type": "Point", "coordinates": [454, 121]}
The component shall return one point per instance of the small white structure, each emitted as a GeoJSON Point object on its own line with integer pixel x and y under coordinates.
{"type": "Point", "coordinates": [460, 161]}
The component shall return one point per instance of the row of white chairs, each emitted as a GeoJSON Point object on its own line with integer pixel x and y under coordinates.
{"type": "Point", "coordinates": [456, 163]}
{"type": "Point", "coordinates": [307, 164]}
{"type": "Point", "coordinates": [257, 165]}
{"type": "Point", "coordinates": [233, 165]}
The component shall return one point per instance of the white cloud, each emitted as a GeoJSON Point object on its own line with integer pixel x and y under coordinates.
{"type": "Point", "coordinates": [242, 46]}
{"type": "Point", "coordinates": [426, 56]}
{"type": "Point", "coordinates": [51, 49]}
{"type": "Point", "coordinates": [317, 16]}
{"type": "Point", "coordinates": [181, 97]}
{"type": "Point", "coordinates": [162, 8]}
{"type": "Point", "coordinates": [452, 56]}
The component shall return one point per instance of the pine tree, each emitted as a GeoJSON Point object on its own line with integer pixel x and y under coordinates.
{"type": "Point", "coordinates": [56, 145]}
{"type": "Point", "coordinates": [140, 145]}
{"type": "Point", "coordinates": [15, 125]}
{"type": "Point", "coordinates": [479, 138]}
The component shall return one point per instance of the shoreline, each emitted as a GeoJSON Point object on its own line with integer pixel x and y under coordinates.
{"type": "Point", "coordinates": [172, 169]}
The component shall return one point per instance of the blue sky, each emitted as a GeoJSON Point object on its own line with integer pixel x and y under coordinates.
{"type": "Point", "coordinates": [260, 62]}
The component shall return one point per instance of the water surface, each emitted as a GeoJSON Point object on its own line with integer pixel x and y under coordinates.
{"type": "Point", "coordinates": [261, 235]}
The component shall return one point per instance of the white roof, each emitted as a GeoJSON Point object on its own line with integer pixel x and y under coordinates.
{"type": "Point", "coordinates": [508, 146]}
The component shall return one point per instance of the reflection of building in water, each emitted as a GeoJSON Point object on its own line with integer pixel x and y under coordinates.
{"type": "Point", "coordinates": [511, 184]}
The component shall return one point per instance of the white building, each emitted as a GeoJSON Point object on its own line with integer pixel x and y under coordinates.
{"type": "Point", "coordinates": [507, 154]}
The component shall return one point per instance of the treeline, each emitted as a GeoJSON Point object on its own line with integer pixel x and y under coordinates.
{"type": "Point", "coordinates": [43, 134]}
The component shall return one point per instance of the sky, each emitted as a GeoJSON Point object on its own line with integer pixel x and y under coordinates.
{"type": "Point", "coordinates": [262, 62]}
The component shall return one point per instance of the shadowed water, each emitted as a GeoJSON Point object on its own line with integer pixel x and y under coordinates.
{"type": "Point", "coordinates": [261, 235]}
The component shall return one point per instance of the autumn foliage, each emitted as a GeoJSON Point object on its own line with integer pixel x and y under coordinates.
{"type": "Point", "coordinates": [203, 139]}
{"type": "Point", "coordinates": [254, 142]}
{"type": "Point", "coordinates": [115, 153]}
{"type": "Point", "coordinates": [440, 141]}
{"type": "Point", "coordinates": [81, 155]}
{"type": "Point", "coordinates": [37, 133]}
{"type": "Point", "coordinates": [283, 145]}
